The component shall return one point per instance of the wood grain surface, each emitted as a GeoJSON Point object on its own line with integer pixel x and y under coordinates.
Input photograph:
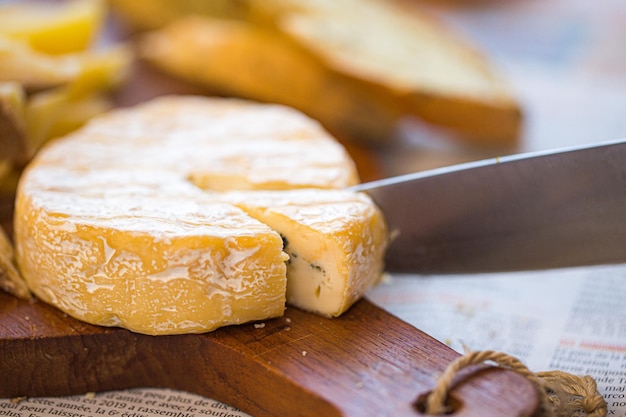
{"type": "Point", "coordinates": [365, 363]}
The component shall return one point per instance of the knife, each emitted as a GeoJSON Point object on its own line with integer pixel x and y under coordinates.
{"type": "Point", "coordinates": [529, 211]}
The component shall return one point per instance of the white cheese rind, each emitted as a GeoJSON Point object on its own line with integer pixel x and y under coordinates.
{"type": "Point", "coordinates": [155, 271]}
{"type": "Point", "coordinates": [124, 223]}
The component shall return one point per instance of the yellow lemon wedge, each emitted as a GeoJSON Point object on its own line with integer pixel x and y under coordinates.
{"type": "Point", "coordinates": [53, 28]}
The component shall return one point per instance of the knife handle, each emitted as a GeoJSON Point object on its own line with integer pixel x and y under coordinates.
{"type": "Point", "coordinates": [365, 363]}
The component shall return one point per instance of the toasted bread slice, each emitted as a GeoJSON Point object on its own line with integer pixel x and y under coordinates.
{"type": "Point", "coordinates": [242, 59]}
{"type": "Point", "coordinates": [435, 74]}
{"type": "Point", "coordinates": [356, 65]}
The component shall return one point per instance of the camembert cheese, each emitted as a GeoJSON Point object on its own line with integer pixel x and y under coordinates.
{"type": "Point", "coordinates": [133, 222]}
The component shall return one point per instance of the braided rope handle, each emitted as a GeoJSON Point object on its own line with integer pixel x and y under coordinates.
{"type": "Point", "coordinates": [562, 394]}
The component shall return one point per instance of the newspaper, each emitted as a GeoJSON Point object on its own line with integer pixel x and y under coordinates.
{"type": "Point", "coordinates": [570, 319]}
{"type": "Point", "coordinates": [145, 402]}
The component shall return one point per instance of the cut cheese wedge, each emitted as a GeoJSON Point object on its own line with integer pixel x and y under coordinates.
{"type": "Point", "coordinates": [126, 222]}
{"type": "Point", "coordinates": [335, 240]}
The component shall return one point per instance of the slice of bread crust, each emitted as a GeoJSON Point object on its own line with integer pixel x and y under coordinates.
{"type": "Point", "coordinates": [357, 66]}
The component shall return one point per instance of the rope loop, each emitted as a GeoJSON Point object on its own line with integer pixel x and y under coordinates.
{"type": "Point", "coordinates": [561, 394]}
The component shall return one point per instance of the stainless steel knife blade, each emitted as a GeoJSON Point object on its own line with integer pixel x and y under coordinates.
{"type": "Point", "coordinates": [540, 210]}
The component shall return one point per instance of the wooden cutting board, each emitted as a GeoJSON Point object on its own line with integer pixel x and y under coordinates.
{"type": "Point", "coordinates": [365, 363]}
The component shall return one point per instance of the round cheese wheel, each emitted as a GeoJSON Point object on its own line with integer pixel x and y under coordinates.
{"type": "Point", "coordinates": [124, 222]}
